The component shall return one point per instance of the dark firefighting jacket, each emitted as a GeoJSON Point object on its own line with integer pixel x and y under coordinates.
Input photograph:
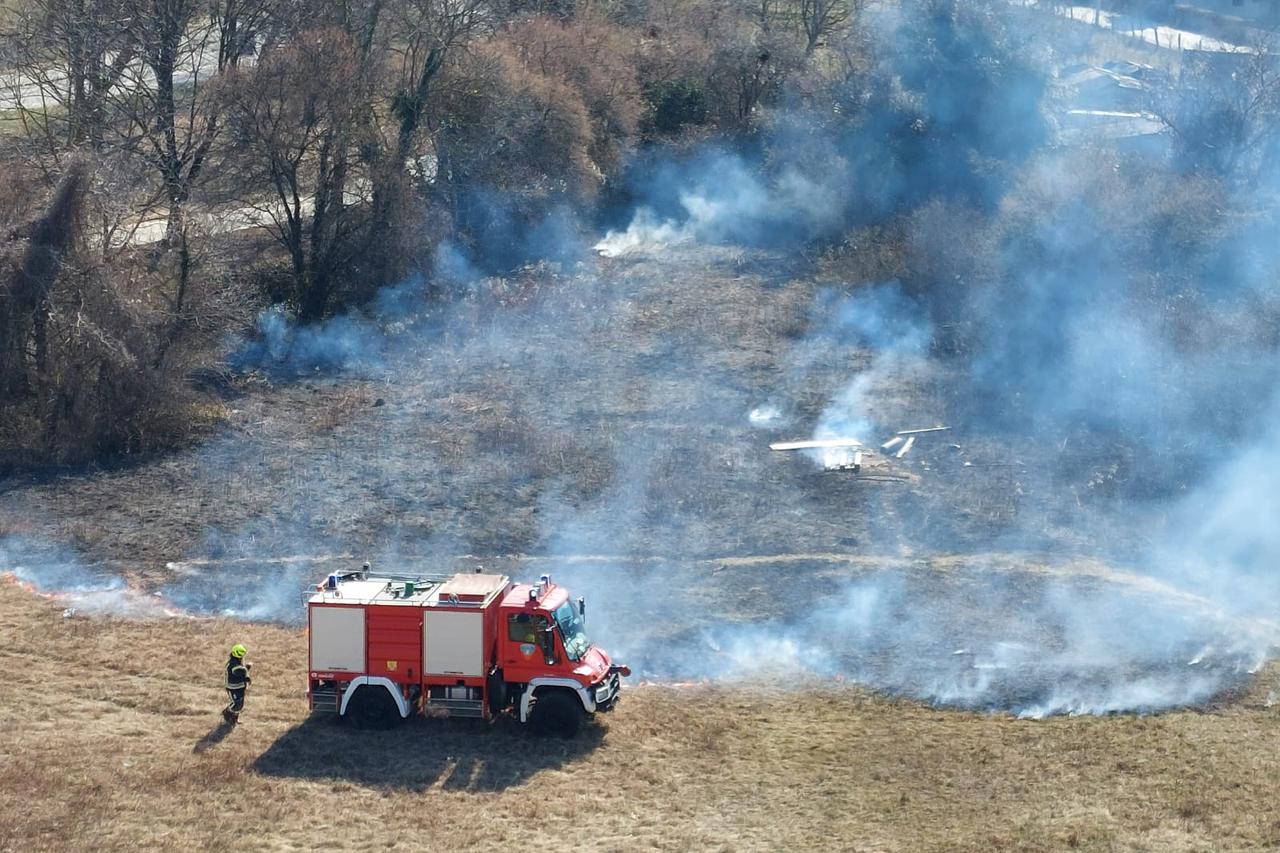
{"type": "Point", "coordinates": [237, 674]}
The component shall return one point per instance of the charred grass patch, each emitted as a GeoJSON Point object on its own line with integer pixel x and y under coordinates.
{"type": "Point", "coordinates": [623, 390]}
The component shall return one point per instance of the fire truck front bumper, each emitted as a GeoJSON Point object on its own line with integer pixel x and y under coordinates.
{"type": "Point", "coordinates": [606, 692]}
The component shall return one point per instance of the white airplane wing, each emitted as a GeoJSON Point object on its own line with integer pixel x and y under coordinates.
{"type": "Point", "coordinates": [815, 444]}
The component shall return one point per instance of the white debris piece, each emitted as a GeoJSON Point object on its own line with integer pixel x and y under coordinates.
{"type": "Point", "coordinates": [906, 448]}
{"type": "Point", "coordinates": [815, 444]}
{"type": "Point", "coordinates": [764, 415]}
{"type": "Point", "coordinates": [1200, 656]}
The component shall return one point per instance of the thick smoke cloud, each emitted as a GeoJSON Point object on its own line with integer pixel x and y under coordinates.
{"type": "Point", "coordinates": [1088, 325]}
{"type": "Point", "coordinates": [1224, 539]}
{"type": "Point", "coordinates": [951, 108]}
{"type": "Point", "coordinates": [723, 196]}
{"type": "Point", "coordinates": [350, 342]}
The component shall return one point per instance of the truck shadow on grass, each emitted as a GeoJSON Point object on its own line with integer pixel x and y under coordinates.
{"type": "Point", "coordinates": [454, 755]}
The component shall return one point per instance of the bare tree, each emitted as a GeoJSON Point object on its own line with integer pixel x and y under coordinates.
{"type": "Point", "coordinates": [423, 34]}
{"type": "Point", "coordinates": [168, 110]}
{"type": "Point", "coordinates": [169, 102]}
{"type": "Point", "coordinates": [135, 81]}
{"type": "Point", "coordinates": [38, 251]}
{"type": "Point", "coordinates": [746, 70]}
{"type": "Point", "coordinates": [506, 127]}
{"type": "Point", "coordinates": [765, 13]}
{"type": "Point", "coordinates": [301, 114]}
{"type": "Point", "coordinates": [820, 18]}
{"type": "Point", "coordinates": [78, 374]}
{"type": "Point", "coordinates": [420, 38]}
{"type": "Point", "coordinates": [1223, 111]}
{"type": "Point", "coordinates": [240, 25]}
{"type": "Point", "coordinates": [597, 60]}
{"type": "Point", "coordinates": [64, 57]}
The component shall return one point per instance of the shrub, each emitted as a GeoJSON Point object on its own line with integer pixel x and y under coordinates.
{"type": "Point", "coordinates": [677, 105]}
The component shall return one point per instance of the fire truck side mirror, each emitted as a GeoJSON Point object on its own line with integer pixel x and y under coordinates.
{"type": "Point", "coordinates": [582, 607]}
{"type": "Point", "coordinates": [548, 642]}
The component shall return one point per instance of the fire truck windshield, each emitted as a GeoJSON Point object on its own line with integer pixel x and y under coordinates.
{"type": "Point", "coordinates": [574, 631]}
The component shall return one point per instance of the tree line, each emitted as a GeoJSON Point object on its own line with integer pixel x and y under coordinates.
{"type": "Point", "coordinates": [175, 165]}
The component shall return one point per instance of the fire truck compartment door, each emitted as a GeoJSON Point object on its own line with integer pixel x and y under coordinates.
{"type": "Point", "coordinates": [337, 639]}
{"type": "Point", "coordinates": [453, 643]}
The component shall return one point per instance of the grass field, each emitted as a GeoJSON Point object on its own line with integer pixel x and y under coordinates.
{"type": "Point", "coordinates": [112, 741]}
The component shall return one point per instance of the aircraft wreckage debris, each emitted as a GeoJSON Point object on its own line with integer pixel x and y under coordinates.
{"type": "Point", "coordinates": [852, 460]}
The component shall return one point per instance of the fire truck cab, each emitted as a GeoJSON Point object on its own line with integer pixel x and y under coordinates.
{"type": "Point", "coordinates": [384, 646]}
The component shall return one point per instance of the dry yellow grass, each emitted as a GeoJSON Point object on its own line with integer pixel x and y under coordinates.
{"type": "Point", "coordinates": [110, 732]}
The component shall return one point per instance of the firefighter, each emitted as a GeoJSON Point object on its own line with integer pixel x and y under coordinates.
{"type": "Point", "coordinates": [238, 681]}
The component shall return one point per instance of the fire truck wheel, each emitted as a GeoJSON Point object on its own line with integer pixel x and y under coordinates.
{"type": "Point", "coordinates": [558, 713]}
{"type": "Point", "coordinates": [498, 698]}
{"type": "Point", "coordinates": [373, 708]}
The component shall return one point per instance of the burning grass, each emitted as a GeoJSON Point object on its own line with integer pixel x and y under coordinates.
{"type": "Point", "coordinates": [132, 758]}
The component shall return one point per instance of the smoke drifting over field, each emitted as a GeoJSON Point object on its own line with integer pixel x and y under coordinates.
{"type": "Point", "coordinates": [1092, 323]}
{"type": "Point", "coordinates": [1089, 328]}
{"type": "Point", "coordinates": [890, 327]}
{"type": "Point", "coordinates": [985, 638]}
{"type": "Point", "coordinates": [51, 571]}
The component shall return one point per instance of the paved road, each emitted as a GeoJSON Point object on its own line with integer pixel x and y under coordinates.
{"type": "Point", "coordinates": [1140, 29]}
{"type": "Point", "coordinates": [50, 88]}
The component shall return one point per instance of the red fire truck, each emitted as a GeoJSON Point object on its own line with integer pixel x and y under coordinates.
{"type": "Point", "coordinates": [384, 646]}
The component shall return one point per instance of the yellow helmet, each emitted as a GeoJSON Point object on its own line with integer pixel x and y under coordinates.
{"type": "Point", "coordinates": [238, 651]}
